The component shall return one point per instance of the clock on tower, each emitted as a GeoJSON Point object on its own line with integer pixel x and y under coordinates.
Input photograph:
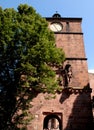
{"type": "Point", "coordinates": [56, 26]}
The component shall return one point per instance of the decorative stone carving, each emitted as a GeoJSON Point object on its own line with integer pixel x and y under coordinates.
{"type": "Point", "coordinates": [65, 75]}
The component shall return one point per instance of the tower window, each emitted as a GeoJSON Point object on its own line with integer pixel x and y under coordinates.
{"type": "Point", "coordinates": [67, 27]}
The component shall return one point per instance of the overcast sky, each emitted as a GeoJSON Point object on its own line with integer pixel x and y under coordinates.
{"type": "Point", "coordinates": [66, 8]}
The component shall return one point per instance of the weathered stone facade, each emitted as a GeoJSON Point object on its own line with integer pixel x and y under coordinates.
{"type": "Point", "coordinates": [91, 80]}
{"type": "Point", "coordinates": [71, 109]}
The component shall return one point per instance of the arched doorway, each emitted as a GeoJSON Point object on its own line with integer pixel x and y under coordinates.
{"type": "Point", "coordinates": [52, 122]}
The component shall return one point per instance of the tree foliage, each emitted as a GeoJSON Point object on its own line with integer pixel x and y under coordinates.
{"type": "Point", "coordinates": [27, 52]}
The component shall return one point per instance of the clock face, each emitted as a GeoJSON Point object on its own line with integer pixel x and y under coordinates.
{"type": "Point", "coordinates": [56, 27]}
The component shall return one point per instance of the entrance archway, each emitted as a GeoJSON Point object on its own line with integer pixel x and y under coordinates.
{"type": "Point", "coordinates": [52, 122]}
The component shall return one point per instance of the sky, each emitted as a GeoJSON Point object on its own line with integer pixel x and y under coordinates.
{"type": "Point", "coordinates": [66, 8]}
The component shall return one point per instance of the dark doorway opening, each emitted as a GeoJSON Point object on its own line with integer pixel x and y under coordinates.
{"type": "Point", "coordinates": [52, 122]}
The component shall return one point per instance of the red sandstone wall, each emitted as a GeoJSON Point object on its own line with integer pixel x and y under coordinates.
{"type": "Point", "coordinates": [91, 80]}
{"type": "Point", "coordinates": [73, 109]}
{"type": "Point", "coordinates": [80, 77]}
{"type": "Point", "coordinates": [72, 45]}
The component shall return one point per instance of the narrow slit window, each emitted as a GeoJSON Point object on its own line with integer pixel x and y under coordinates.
{"type": "Point", "coordinates": [67, 27]}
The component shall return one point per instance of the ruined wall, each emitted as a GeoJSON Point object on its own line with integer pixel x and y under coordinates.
{"type": "Point", "coordinates": [91, 80]}
{"type": "Point", "coordinates": [73, 107]}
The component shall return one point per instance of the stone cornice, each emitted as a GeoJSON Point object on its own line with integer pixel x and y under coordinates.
{"type": "Point", "coordinates": [76, 90]}
{"type": "Point", "coordinates": [74, 33]}
{"type": "Point", "coordinates": [73, 58]}
{"type": "Point", "coordinates": [64, 19]}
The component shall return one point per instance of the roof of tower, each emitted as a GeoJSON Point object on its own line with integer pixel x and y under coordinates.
{"type": "Point", "coordinates": [56, 15]}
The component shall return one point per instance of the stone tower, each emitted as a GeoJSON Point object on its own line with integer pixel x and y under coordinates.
{"type": "Point", "coordinates": [70, 109]}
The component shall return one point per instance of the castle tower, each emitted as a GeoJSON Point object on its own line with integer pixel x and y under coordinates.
{"type": "Point", "coordinates": [70, 109]}
{"type": "Point", "coordinates": [69, 36]}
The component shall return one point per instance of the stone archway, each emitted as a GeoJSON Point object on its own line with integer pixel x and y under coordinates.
{"type": "Point", "coordinates": [52, 122]}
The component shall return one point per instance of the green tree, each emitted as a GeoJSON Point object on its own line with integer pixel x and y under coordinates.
{"type": "Point", "coordinates": [27, 54]}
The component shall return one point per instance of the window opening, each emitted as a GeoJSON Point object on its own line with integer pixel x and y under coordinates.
{"type": "Point", "coordinates": [67, 27]}
{"type": "Point", "coordinates": [52, 122]}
